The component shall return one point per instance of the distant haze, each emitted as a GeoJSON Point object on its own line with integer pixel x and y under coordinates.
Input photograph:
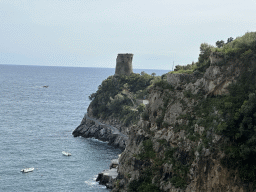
{"type": "Point", "coordinates": [90, 33]}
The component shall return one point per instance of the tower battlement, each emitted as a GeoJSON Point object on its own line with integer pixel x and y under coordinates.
{"type": "Point", "coordinates": [124, 64]}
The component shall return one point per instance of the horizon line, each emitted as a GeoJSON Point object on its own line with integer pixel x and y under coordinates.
{"type": "Point", "coordinates": [76, 66]}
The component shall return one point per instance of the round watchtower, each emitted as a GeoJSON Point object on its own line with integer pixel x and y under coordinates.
{"type": "Point", "coordinates": [124, 64]}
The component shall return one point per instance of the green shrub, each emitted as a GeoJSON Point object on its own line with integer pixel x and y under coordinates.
{"type": "Point", "coordinates": [236, 120]}
{"type": "Point", "coordinates": [169, 153]}
{"type": "Point", "coordinates": [163, 142]}
{"type": "Point", "coordinates": [159, 121]}
{"type": "Point", "coordinates": [178, 182]}
{"type": "Point", "coordinates": [242, 47]}
{"type": "Point", "coordinates": [147, 151]}
{"type": "Point", "coordinates": [165, 124]}
{"type": "Point", "coordinates": [163, 84]}
{"type": "Point", "coordinates": [141, 107]}
{"type": "Point", "coordinates": [146, 187]}
{"type": "Point", "coordinates": [188, 93]}
{"type": "Point", "coordinates": [144, 183]}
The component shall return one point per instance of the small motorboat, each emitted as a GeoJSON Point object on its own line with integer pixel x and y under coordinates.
{"type": "Point", "coordinates": [66, 153]}
{"type": "Point", "coordinates": [26, 170]}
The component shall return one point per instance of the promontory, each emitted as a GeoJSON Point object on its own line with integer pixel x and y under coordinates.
{"type": "Point", "coordinates": [192, 129]}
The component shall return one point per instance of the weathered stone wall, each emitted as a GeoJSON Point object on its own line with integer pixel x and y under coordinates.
{"type": "Point", "coordinates": [124, 64]}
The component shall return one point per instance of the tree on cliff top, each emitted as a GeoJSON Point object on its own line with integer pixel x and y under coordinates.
{"type": "Point", "coordinates": [220, 44]}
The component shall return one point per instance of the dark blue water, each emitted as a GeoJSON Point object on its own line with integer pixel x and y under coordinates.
{"type": "Point", "coordinates": [36, 125]}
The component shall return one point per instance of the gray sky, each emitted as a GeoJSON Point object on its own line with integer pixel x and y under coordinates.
{"type": "Point", "coordinates": [90, 33]}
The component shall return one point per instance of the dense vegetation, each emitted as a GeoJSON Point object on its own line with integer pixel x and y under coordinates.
{"type": "Point", "coordinates": [241, 48]}
{"type": "Point", "coordinates": [236, 119]}
{"type": "Point", "coordinates": [144, 182]}
{"type": "Point", "coordinates": [233, 115]}
{"type": "Point", "coordinates": [200, 66]}
{"type": "Point", "coordinates": [117, 97]}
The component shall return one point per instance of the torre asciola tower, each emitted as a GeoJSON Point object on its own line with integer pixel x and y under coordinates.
{"type": "Point", "coordinates": [124, 64]}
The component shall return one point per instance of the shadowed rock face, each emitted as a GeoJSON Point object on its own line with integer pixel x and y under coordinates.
{"type": "Point", "coordinates": [124, 64]}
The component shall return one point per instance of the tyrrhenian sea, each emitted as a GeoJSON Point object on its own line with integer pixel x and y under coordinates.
{"type": "Point", "coordinates": [36, 125]}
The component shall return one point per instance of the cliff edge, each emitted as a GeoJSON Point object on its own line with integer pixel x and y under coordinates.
{"type": "Point", "coordinates": [198, 130]}
{"type": "Point", "coordinates": [198, 133]}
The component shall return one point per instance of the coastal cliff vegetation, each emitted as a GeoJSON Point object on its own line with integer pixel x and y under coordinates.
{"type": "Point", "coordinates": [121, 97]}
{"type": "Point", "coordinates": [229, 116]}
{"type": "Point", "coordinates": [200, 122]}
{"type": "Point", "coordinates": [233, 115]}
{"type": "Point", "coordinates": [240, 48]}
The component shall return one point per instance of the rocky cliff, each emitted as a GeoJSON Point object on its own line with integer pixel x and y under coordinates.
{"type": "Point", "coordinates": [102, 130]}
{"type": "Point", "coordinates": [172, 150]}
{"type": "Point", "coordinates": [198, 132]}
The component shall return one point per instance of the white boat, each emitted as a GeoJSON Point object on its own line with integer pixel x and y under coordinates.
{"type": "Point", "coordinates": [26, 170]}
{"type": "Point", "coordinates": [66, 153]}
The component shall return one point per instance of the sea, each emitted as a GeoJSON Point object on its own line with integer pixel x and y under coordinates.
{"type": "Point", "coordinates": [40, 106]}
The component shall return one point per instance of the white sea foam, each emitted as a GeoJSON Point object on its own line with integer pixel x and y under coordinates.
{"type": "Point", "coordinates": [92, 183]}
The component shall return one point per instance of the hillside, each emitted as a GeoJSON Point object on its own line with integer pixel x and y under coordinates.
{"type": "Point", "coordinates": [198, 132]}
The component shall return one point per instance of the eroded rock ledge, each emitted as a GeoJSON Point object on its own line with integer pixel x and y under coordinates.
{"type": "Point", "coordinates": [91, 127]}
{"type": "Point", "coordinates": [107, 177]}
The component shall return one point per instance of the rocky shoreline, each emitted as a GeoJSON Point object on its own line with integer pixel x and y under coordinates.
{"type": "Point", "coordinates": [107, 177]}
{"type": "Point", "coordinates": [93, 128]}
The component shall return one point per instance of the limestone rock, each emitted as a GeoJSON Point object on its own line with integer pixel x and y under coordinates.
{"type": "Point", "coordinates": [91, 127]}
{"type": "Point", "coordinates": [177, 79]}
{"type": "Point", "coordinates": [206, 172]}
{"type": "Point", "coordinates": [107, 177]}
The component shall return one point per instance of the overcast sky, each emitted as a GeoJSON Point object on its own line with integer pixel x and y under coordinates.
{"type": "Point", "coordinates": [90, 33]}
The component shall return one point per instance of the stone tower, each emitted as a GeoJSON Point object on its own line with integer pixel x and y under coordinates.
{"type": "Point", "coordinates": [124, 64]}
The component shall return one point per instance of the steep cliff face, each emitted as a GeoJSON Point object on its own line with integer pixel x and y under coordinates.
{"type": "Point", "coordinates": [171, 149]}
{"type": "Point", "coordinates": [213, 82]}
{"type": "Point", "coordinates": [205, 172]}
{"type": "Point", "coordinates": [198, 132]}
